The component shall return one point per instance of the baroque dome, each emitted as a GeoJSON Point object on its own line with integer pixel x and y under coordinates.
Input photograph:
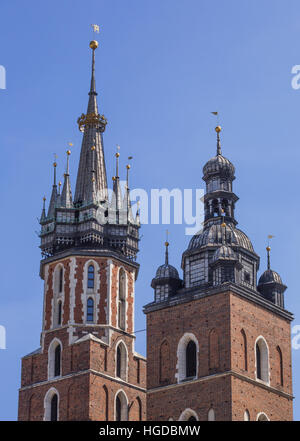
{"type": "Point", "coordinates": [218, 165]}
{"type": "Point", "coordinates": [269, 276]}
{"type": "Point", "coordinates": [166, 271]}
{"type": "Point", "coordinates": [212, 235]}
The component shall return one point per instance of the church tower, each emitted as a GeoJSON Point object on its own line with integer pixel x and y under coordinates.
{"type": "Point", "coordinates": [87, 367]}
{"type": "Point", "coordinates": [218, 344]}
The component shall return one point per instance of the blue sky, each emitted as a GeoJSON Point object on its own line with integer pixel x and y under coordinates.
{"type": "Point", "coordinates": [162, 67]}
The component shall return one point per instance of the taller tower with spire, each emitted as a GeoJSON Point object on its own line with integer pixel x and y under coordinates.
{"type": "Point", "coordinates": [86, 367]}
{"type": "Point", "coordinates": [218, 344]}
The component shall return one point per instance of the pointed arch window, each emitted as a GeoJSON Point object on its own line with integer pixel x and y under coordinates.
{"type": "Point", "coordinates": [59, 312]}
{"type": "Point", "coordinates": [258, 362]}
{"type": "Point", "coordinates": [91, 276]}
{"type": "Point", "coordinates": [57, 361]}
{"type": "Point", "coordinates": [191, 361]}
{"type": "Point", "coordinates": [262, 360]}
{"type": "Point", "coordinates": [60, 280]}
{"type": "Point", "coordinates": [211, 415]}
{"type": "Point", "coordinates": [244, 360]}
{"type": "Point", "coordinates": [279, 366]}
{"type": "Point", "coordinates": [122, 299]}
{"type": "Point", "coordinates": [54, 403]}
{"type": "Point", "coordinates": [90, 310]}
{"type": "Point", "coordinates": [121, 361]}
{"type": "Point", "coordinates": [121, 407]}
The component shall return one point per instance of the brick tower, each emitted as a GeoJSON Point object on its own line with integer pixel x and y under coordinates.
{"type": "Point", "coordinates": [86, 367]}
{"type": "Point", "coordinates": [218, 344]}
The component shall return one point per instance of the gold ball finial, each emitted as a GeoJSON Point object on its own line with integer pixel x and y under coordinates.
{"type": "Point", "coordinates": [166, 243]}
{"type": "Point", "coordinates": [218, 129]}
{"type": "Point", "coordinates": [268, 248]}
{"type": "Point", "coordinates": [117, 154]}
{"type": "Point", "coordinates": [113, 178]}
{"type": "Point", "coordinates": [54, 164]}
{"type": "Point", "coordinates": [94, 44]}
{"type": "Point", "coordinates": [93, 148]}
{"type": "Point", "coordinates": [128, 166]}
{"type": "Point", "coordinates": [44, 198]}
{"type": "Point", "coordinates": [223, 225]}
{"type": "Point", "coordinates": [68, 152]}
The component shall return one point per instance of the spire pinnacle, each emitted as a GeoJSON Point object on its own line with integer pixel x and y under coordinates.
{"type": "Point", "coordinates": [167, 249]}
{"type": "Point", "coordinates": [218, 130]}
{"type": "Point", "coordinates": [54, 170]}
{"type": "Point", "coordinates": [268, 256]}
{"type": "Point", "coordinates": [43, 216]}
{"type": "Point", "coordinates": [66, 194]}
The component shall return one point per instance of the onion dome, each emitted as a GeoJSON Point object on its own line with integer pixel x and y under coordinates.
{"type": "Point", "coordinates": [224, 253]}
{"type": "Point", "coordinates": [270, 285]}
{"type": "Point", "coordinates": [269, 276]}
{"type": "Point", "coordinates": [166, 270]}
{"type": "Point", "coordinates": [212, 235]}
{"type": "Point", "coordinates": [166, 281]}
{"type": "Point", "coordinates": [218, 165]}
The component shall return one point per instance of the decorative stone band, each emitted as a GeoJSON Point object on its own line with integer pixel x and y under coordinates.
{"type": "Point", "coordinates": [90, 120]}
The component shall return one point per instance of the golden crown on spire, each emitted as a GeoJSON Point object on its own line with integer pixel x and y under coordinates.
{"type": "Point", "coordinates": [218, 129]}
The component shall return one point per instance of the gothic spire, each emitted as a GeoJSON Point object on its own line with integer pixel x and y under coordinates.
{"type": "Point", "coordinates": [92, 125]}
{"type": "Point", "coordinates": [66, 194]}
{"type": "Point", "coordinates": [43, 215]}
{"type": "Point", "coordinates": [53, 199]}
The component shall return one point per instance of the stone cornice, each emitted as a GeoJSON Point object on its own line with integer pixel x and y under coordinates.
{"type": "Point", "coordinates": [85, 372]}
{"type": "Point", "coordinates": [222, 375]}
{"type": "Point", "coordinates": [190, 294]}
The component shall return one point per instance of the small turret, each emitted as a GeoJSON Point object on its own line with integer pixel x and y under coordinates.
{"type": "Point", "coordinates": [270, 284]}
{"type": "Point", "coordinates": [166, 281]}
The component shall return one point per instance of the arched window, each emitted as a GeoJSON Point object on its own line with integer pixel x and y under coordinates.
{"type": "Point", "coordinates": [188, 415]}
{"type": "Point", "coordinates": [246, 415]}
{"type": "Point", "coordinates": [140, 413]}
{"type": "Point", "coordinates": [57, 361]}
{"type": "Point", "coordinates": [164, 363]}
{"type": "Point", "coordinates": [214, 355]}
{"type": "Point", "coordinates": [54, 403]}
{"type": "Point", "coordinates": [262, 360]}
{"type": "Point", "coordinates": [244, 360]}
{"type": "Point", "coordinates": [59, 312]}
{"type": "Point", "coordinates": [60, 280]}
{"type": "Point", "coordinates": [51, 405]}
{"type": "Point", "coordinates": [90, 310]}
{"type": "Point", "coordinates": [121, 361]}
{"type": "Point", "coordinates": [262, 417]}
{"type": "Point", "coordinates": [105, 391]}
{"type": "Point", "coordinates": [187, 357]}
{"type": "Point", "coordinates": [121, 407]}
{"type": "Point", "coordinates": [54, 358]}
{"type": "Point", "coordinates": [91, 276]}
{"type": "Point", "coordinates": [191, 359]}
{"type": "Point", "coordinates": [122, 300]}
{"type": "Point", "coordinates": [211, 415]}
{"type": "Point", "coordinates": [279, 367]}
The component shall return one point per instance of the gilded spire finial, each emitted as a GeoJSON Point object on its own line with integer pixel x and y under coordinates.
{"type": "Point", "coordinates": [167, 248]}
{"type": "Point", "coordinates": [268, 248]}
{"type": "Point", "coordinates": [68, 156]}
{"type": "Point", "coordinates": [117, 155]}
{"type": "Point", "coordinates": [218, 130]}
